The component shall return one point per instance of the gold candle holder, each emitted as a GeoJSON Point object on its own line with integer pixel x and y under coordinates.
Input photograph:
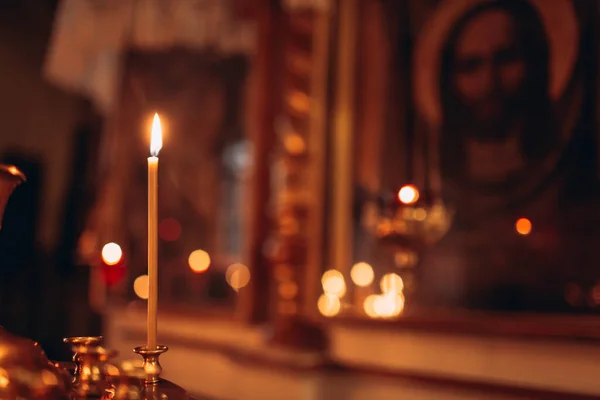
{"type": "Point", "coordinates": [79, 344]}
{"type": "Point", "coordinates": [151, 363]}
{"type": "Point", "coordinates": [90, 360]}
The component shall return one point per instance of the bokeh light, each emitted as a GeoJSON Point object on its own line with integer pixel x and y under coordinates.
{"type": "Point", "coordinates": [391, 283]}
{"type": "Point", "coordinates": [199, 261]}
{"type": "Point", "coordinates": [369, 305]}
{"type": "Point", "coordinates": [329, 305]}
{"type": "Point", "coordinates": [408, 194]}
{"type": "Point", "coordinates": [140, 286]}
{"type": "Point", "coordinates": [523, 226]}
{"type": "Point", "coordinates": [405, 258]}
{"type": "Point", "coordinates": [362, 274]}
{"type": "Point", "coordinates": [237, 276]}
{"type": "Point", "coordinates": [420, 214]}
{"type": "Point", "coordinates": [169, 229]}
{"type": "Point", "coordinates": [287, 290]}
{"type": "Point", "coordinates": [333, 283]}
{"type": "Point", "coordinates": [111, 253]}
{"type": "Point", "coordinates": [294, 143]}
{"type": "Point", "coordinates": [388, 305]}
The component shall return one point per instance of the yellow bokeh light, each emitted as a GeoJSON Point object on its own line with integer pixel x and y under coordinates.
{"type": "Point", "coordinates": [362, 274]}
{"type": "Point", "coordinates": [199, 261]}
{"type": "Point", "coordinates": [408, 194]}
{"type": "Point", "coordinates": [399, 302]}
{"type": "Point", "coordinates": [391, 283]}
{"type": "Point", "coordinates": [329, 305]}
{"type": "Point", "coordinates": [382, 307]}
{"type": "Point", "coordinates": [369, 306]}
{"type": "Point", "coordinates": [388, 305]}
{"type": "Point", "coordinates": [333, 283]}
{"type": "Point", "coordinates": [140, 286]}
{"type": "Point", "coordinates": [237, 276]}
{"type": "Point", "coordinates": [523, 226]}
{"type": "Point", "coordinates": [111, 253]}
{"type": "Point", "coordinates": [4, 381]}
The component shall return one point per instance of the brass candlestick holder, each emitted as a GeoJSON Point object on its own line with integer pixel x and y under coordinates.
{"type": "Point", "coordinates": [91, 361]}
{"type": "Point", "coordinates": [151, 364]}
{"type": "Point", "coordinates": [76, 343]}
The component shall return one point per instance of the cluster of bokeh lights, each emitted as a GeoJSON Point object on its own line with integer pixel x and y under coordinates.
{"type": "Point", "coordinates": [237, 275]}
{"type": "Point", "coordinates": [388, 304]}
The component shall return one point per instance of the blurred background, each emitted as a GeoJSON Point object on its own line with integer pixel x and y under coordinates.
{"type": "Point", "coordinates": [357, 199]}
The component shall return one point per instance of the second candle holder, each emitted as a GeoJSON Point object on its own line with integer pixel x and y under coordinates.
{"type": "Point", "coordinates": [151, 363]}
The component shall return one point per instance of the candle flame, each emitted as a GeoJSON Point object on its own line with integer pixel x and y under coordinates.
{"type": "Point", "coordinates": [156, 138]}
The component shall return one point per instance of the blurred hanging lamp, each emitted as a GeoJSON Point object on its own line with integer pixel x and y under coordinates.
{"type": "Point", "coordinates": [413, 216]}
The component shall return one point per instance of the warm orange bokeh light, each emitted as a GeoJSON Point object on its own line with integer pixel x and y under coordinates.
{"type": "Point", "coordinates": [523, 226]}
{"type": "Point", "coordinates": [388, 305]}
{"type": "Point", "coordinates": [333, 283]}
{"type": "Point", "coordinates": [199, 261]}
{"type": "Point", "coordinates": [140, 286]}
{"type": "Point", "coordinates": [287, 290]}
{"type": "Point", "coordinates": [369, 306]}
{"type": "Point", "coordinates": [294, 143]}
{"type": "Point", "coordinates": [391, 283]}
{"type": "Point", "coordinates": [237, 275]}
{"type": "Point", "coordinates": [329, 305]}
{"type": "Point", "coordinates": [408, 194]}
{"type": "Point", "coordinates": [362, 274]}
{"type": "Point", "coordinates": [111, 253]}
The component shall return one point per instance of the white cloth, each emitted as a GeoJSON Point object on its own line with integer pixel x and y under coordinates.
{"type": "Point", "coordinates": [90, 37]}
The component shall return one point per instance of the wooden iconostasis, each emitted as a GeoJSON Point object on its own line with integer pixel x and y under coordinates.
{"type": "Point", "coordinates": [515, 151]}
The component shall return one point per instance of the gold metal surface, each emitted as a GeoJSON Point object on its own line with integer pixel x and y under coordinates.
{"type": "Point", "coordinates": [76, 342]}
{"type": "Point", "coordinates": [91, 365]}
{"type": "Point", "coordinates": [151, 363]}
{"type": "Point", "coordinates": [10, 178]}
{"type": "Point", "coordinates": [26, 372]}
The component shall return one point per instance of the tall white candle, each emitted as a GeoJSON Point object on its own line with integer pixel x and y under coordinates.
{"type": "Point", "coordinates": [155, 146]}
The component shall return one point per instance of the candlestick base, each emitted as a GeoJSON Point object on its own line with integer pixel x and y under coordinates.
{"type": "Point", "coordinates": [151, 363]}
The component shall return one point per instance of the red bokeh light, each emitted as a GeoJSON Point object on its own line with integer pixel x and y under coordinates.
{"type": "Point", "coordinates": [169, 229]}
{"type": "Point", "coordinates": [113, 274]}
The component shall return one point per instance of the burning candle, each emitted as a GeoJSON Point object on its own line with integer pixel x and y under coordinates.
{"type": "Point", "coordinates": [155, 146]}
